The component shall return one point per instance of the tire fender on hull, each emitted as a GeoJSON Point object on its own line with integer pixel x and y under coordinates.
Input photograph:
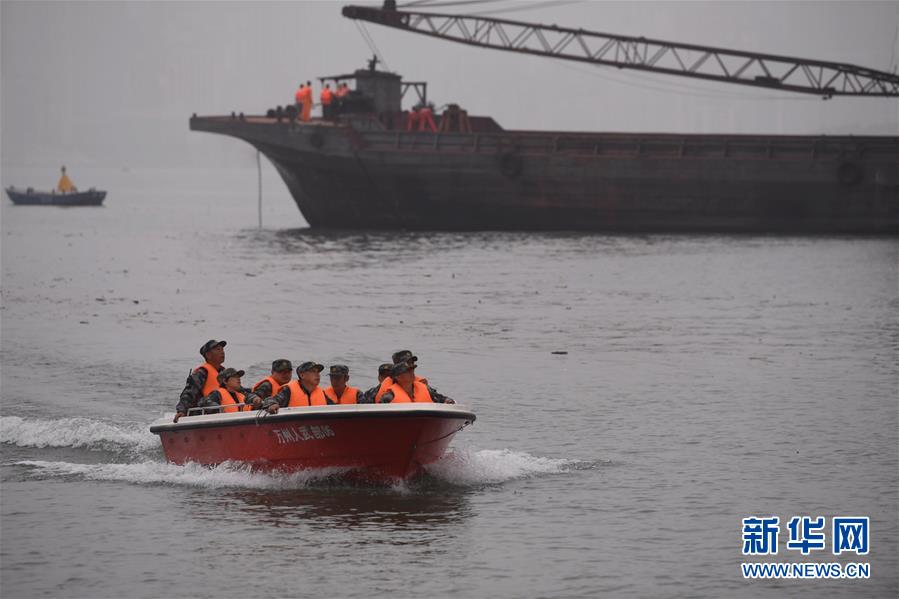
{"type": "Point", "coordinates": [510, 164]}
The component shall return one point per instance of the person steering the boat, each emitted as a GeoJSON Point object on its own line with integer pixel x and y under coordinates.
{"type": "Point", "coordinates": [406, 389]}
{"type": "Point", "coordinates": [402, 356]}
{"type": "Point", "coordinates": [303, 391]}
{"type": "Point", "coordinates": [339, 392]}
{"type": "Point", "coordinates": [282, 372]}
{"type": "Point", "coordinates": [229, 394]}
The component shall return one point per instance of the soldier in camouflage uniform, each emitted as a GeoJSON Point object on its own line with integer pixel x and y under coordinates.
{"type": "Point", "coordinates": [229, 382]}
{"type": "Point", "coordinates": [282, 372]}
{"type": "Point", "coordinates": [407, 370]}
{"type": "Point", "coordinates": [199, 383]}
{"type": "Point", "coordinates": [214, 353]}
{"type": "Point", "coordinates": [383, 372]}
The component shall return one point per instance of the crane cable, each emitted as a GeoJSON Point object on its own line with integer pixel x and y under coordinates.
{"type": "Point", "coordinates": [528, 6]}
{"type": "Point", "coordinates": [363, 31]}
{"type": "Point", "coordinates": [427, 4]}
{"type": "Point", "coordinates": [894, 50]}
{"type": "Point", "coordinates": [437, 4]}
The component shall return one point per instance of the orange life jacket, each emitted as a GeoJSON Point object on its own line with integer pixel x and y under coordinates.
{"type": "Point", "coordinates": [298, 397]}
{"type": "Point", "coordinates": [350, 395]}
{"type": "Point", "coordinates": [212, 374]}
{"type": "Point", "coordinates": [299, 96]}
{"type": "Point", "coordinates": [326, 96]}
{"type": "Point", "coordinates": [387, 383]}
{"type": "Point", "coordinates": [420, 392]}
{"type": "Point", "coordinates": [228, 401]}
{"type": "Point", "coordinates": [306, 94]}
{"type": "Point", "coordinates": [342, 91]}
{"type": "Point", "coordinates": [276, 386]}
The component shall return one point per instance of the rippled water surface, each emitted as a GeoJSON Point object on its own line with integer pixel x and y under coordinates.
{"type": "Point", "coordinates": [706, 379]}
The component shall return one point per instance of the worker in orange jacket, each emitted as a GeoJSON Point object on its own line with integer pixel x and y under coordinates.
{"type": "Point", "coordinates": [307, 101]}
{"type": "Point", "coordinates": [298, 98]}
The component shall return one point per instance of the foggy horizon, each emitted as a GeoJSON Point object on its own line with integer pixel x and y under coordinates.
{"type": "Point", "coordinates": [113, 84]}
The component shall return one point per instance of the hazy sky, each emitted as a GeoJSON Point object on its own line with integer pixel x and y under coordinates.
{"type": "Point", "coordinates": [112, 84]}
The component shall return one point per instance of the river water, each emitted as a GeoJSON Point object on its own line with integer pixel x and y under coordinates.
{"type": "Point", "coordinates": [707, 378]}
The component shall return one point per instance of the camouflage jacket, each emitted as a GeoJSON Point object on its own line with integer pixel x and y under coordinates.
{"type": "Point", "coordinates": [264, 390]}
{"type": "Point", "coordinates": [193, 390]}
{"type": "Point", "coordinates": [369, 396]}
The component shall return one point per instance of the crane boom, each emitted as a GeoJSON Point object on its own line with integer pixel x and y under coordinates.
{"type": "Point", "coordinates": [687, 60]}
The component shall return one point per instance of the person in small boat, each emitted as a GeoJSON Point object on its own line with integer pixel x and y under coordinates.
{"type": "Point", "coordinates": [339, 392]}
{"type": "Point", "coordinates": [65, 184]}
{"type": "Point", "coordinates": [303, 391]}
{"type": "Point", "coordinates": [282, 372]}
{"type": "Point", "coordinates": [228, 394]}
{"type": "Point", "coordinates": [384, 371]}
{"type": "Point", "coordinates": [406, 389]}
{"type": "Point", "coordinates": [202, 379]}
{"type": "Point", "coordinates": [402, 356]}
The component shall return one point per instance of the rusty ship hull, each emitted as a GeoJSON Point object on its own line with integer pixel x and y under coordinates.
{"type": "Point", "coordinates": [357, 173]}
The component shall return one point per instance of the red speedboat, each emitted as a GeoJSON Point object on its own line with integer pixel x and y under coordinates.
{"type": "Point", "coordinates": [371, 441]}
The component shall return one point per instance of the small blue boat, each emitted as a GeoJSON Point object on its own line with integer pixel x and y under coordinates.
{"type": "Point", "coordinates": [65, 194]}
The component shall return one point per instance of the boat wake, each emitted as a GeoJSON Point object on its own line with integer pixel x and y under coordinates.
{"type": "Point", "coordinates": [463, 467]}
{"type": "Point", "coordinates": [83, 433]}
{"type": "Point", "coordinates": [467, 467]}
{"type": "Point", "coordinates": [222, 476]}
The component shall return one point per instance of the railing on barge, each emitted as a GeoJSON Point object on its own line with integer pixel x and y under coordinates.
{"type": "Point", "coordinates": [370, 134]}
{"type": "Point", "coordinates": [649, 145]}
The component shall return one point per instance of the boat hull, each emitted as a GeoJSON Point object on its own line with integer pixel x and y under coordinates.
{"type": "Point", "coordinates": [45, 198]}
{"type": "Point", "coordinates": [362, 441]}
{"type": "Point", "coordinates": [344, 177]}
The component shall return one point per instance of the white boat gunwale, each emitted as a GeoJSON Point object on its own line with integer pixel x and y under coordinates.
{"type": "Point", "coordinates": [257, 417]}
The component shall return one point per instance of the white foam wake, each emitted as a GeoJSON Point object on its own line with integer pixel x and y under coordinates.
{"type": "Point", "coordinates": [461, 467]}
{"type": "Point", "coordinates": [467, 467]}
{"type": "Point", "coordinates": [76, 432]}
{"type": "Point", "coordinates": [227, 475]}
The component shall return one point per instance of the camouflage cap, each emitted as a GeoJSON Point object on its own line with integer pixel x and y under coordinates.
{"type": "Point", "coordinates": [385, 368]}
{"type": "Point", "coordinates": [281, 365]}
{"type": "Point", "coordinates": [228, 373]}
{"type": "Point", "coordinates": [402, 367]}
{"type": "Point", "coordinates": [307, 366]}
{"type": "Point", "coordinates": [210, 344]}
{"type": "Point", "coordinates": [339, 370]}
{"type": "Point", "coordinates": [404, 355]}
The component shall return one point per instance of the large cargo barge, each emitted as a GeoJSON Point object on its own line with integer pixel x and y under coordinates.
{"type": "Point", "coordinates": [365, 170]}
{"type": "Point", "coordinates": [365, 167]}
